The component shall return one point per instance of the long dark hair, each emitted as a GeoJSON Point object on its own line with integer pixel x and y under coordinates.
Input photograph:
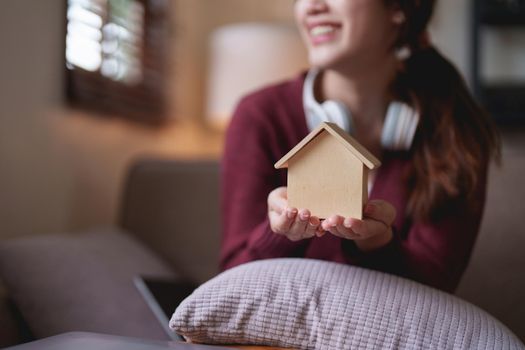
{"type": "Point", "coordinates": [456, 139]}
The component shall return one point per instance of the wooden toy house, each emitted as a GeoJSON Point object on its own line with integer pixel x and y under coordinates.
{"type": "Point", "coordinates": [328, 173]}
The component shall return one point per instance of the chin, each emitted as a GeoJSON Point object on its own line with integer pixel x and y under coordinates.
{"type": "Point", "coordinates": [326, 61]}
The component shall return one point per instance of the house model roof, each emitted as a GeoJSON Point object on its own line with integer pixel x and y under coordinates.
{"type": "Point", "coordinates": [346, 140]}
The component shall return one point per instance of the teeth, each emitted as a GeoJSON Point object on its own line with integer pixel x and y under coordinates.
{"type": "Point", "coordinates": [322, 29]}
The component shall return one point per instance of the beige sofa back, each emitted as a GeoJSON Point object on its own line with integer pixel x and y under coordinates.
{"type": "Point", "coordinates": [172, 207]}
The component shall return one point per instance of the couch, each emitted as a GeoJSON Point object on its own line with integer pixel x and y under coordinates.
{"type": "Point", "coordinates": [168, 227]}
{"type": "Point", "coordinates": [83, 281]}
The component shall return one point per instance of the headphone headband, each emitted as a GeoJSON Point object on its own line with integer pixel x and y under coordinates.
{"type": "Point", "coordinates": [399, 127]}
{"type": "Point", "coordinates": [328, 111]}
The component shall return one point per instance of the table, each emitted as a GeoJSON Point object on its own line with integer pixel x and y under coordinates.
{"type": "Point", "coordinates": [90, 341]}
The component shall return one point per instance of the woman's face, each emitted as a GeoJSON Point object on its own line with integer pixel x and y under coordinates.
{"type": "Point", "coordinates": [346, 32]}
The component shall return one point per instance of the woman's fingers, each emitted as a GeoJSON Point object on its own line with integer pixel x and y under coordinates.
{"type": "Point", "coordinates": [350, 228]}
{"type": "Point", "coordinates": [381, 211]}
{"type": "Point", "coordinates": [326, 224]}
{"type": "Point", "coordinates": [294, 224]}
{"type": "Point", "coordinates": [290, 222]}
{"type": "Point", "coordinates": [313, 226]}
{"type": "Point", "coordinates": [278, 200]}
{"type": "Point", "coordinates": [282, 222]}
{"type": "Point", "coordinates": [378, 218]}
{"type": "Point", "coordinates": [366, 228]}
{"type": "Point", "coordinates": [299, 224]}
{"type": "Point", "coordinates": [336, 225]}
{"type": "Point", "coordinates": [299, 227]}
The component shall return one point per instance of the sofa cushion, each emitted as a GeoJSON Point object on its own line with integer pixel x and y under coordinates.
{"type": "Point", "coordinates": [81, 282]}
{"type": "Point", "coordinates": [164, 204]}
{"type": "Point", "coordinates": [311, 304]}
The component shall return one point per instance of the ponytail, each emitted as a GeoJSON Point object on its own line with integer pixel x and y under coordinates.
{"type": "Point", "coordinates": [455, 139]}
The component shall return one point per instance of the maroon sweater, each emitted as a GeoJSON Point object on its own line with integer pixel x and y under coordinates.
{"type": "Point", "coordinates": [265, 126]}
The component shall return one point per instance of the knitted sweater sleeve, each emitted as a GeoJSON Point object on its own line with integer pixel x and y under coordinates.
{"type": "Point", "coordinates": [247, 177]}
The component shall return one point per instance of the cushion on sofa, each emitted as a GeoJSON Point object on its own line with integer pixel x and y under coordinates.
{"type": "Point", "coordinates": [163, 206]}
{"type": "Point", "coordinates": [311, 304]}
{"type": "Point", "coordinates": [81, 282]}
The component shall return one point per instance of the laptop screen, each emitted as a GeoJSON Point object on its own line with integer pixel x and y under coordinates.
{"type": "Point", "coordinates": [162, 297]}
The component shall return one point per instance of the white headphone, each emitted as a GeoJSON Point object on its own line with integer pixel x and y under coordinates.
{"type": "Point", "coordinates": [399, 126]}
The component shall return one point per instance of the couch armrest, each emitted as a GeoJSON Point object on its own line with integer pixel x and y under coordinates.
{"type": "Point", "coordinates": [173, 207]}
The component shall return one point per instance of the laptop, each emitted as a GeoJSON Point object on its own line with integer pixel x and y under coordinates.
{"type": "Point", "coordinates": [162, 297]}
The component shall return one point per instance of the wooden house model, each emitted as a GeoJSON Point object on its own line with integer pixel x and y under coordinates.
{"type": "Point", "coordinates": [328, 173]}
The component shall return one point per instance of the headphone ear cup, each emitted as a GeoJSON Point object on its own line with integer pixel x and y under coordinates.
{"type": "Point", "coordinates": [399, 127]}
{"type": "Point", "coordinates": [337, 113]}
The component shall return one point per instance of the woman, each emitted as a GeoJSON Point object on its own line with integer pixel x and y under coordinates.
{"type": "Point", "coordinates": [427, 198]}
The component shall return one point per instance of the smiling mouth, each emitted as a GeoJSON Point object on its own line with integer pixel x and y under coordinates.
{"type": "Point", "coordinates": [322, 33]}
{"type": "Point", "coordinates": [321, 30]}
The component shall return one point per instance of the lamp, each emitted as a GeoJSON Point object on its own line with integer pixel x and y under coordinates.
{"type": "Point", "coordinates": [247, 56]}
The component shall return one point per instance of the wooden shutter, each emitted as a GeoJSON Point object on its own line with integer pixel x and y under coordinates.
{"type": "Point", "coordinates": [116, 57]}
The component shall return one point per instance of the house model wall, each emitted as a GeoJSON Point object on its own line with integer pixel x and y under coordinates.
{"type": "Point", "coordinates": [328, 173]}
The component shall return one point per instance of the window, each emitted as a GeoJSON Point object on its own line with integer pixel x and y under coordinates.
{"type": "Point", "coordinates": [115, 56]}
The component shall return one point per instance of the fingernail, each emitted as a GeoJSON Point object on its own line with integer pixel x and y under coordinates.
{"type": "Point", "coordinates": [304, 217]}
{"type": "Point", "coordinates": [347, 223]}
{"type": "Point", "coordinates": [290, 213]}
{"type": "Point", "coordinates": [314, 221]}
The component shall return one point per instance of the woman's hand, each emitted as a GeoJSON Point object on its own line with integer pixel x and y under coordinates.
{"type": "Point", "coordinates": [373, 232]}
{"type": "Point", "coordinates": [290, 222]}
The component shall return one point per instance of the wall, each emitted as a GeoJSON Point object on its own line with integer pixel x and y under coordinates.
{"type": "Point", "coordinates": [195, 20]}
{"type": "Point", "coordinates": [450, 32]}
{"type": "Point", "coordinates": [61, 170]}
{"type": "Point", "coordinates": [502, 50]}
{"type": "Point", "coordinates": [34, 181]}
